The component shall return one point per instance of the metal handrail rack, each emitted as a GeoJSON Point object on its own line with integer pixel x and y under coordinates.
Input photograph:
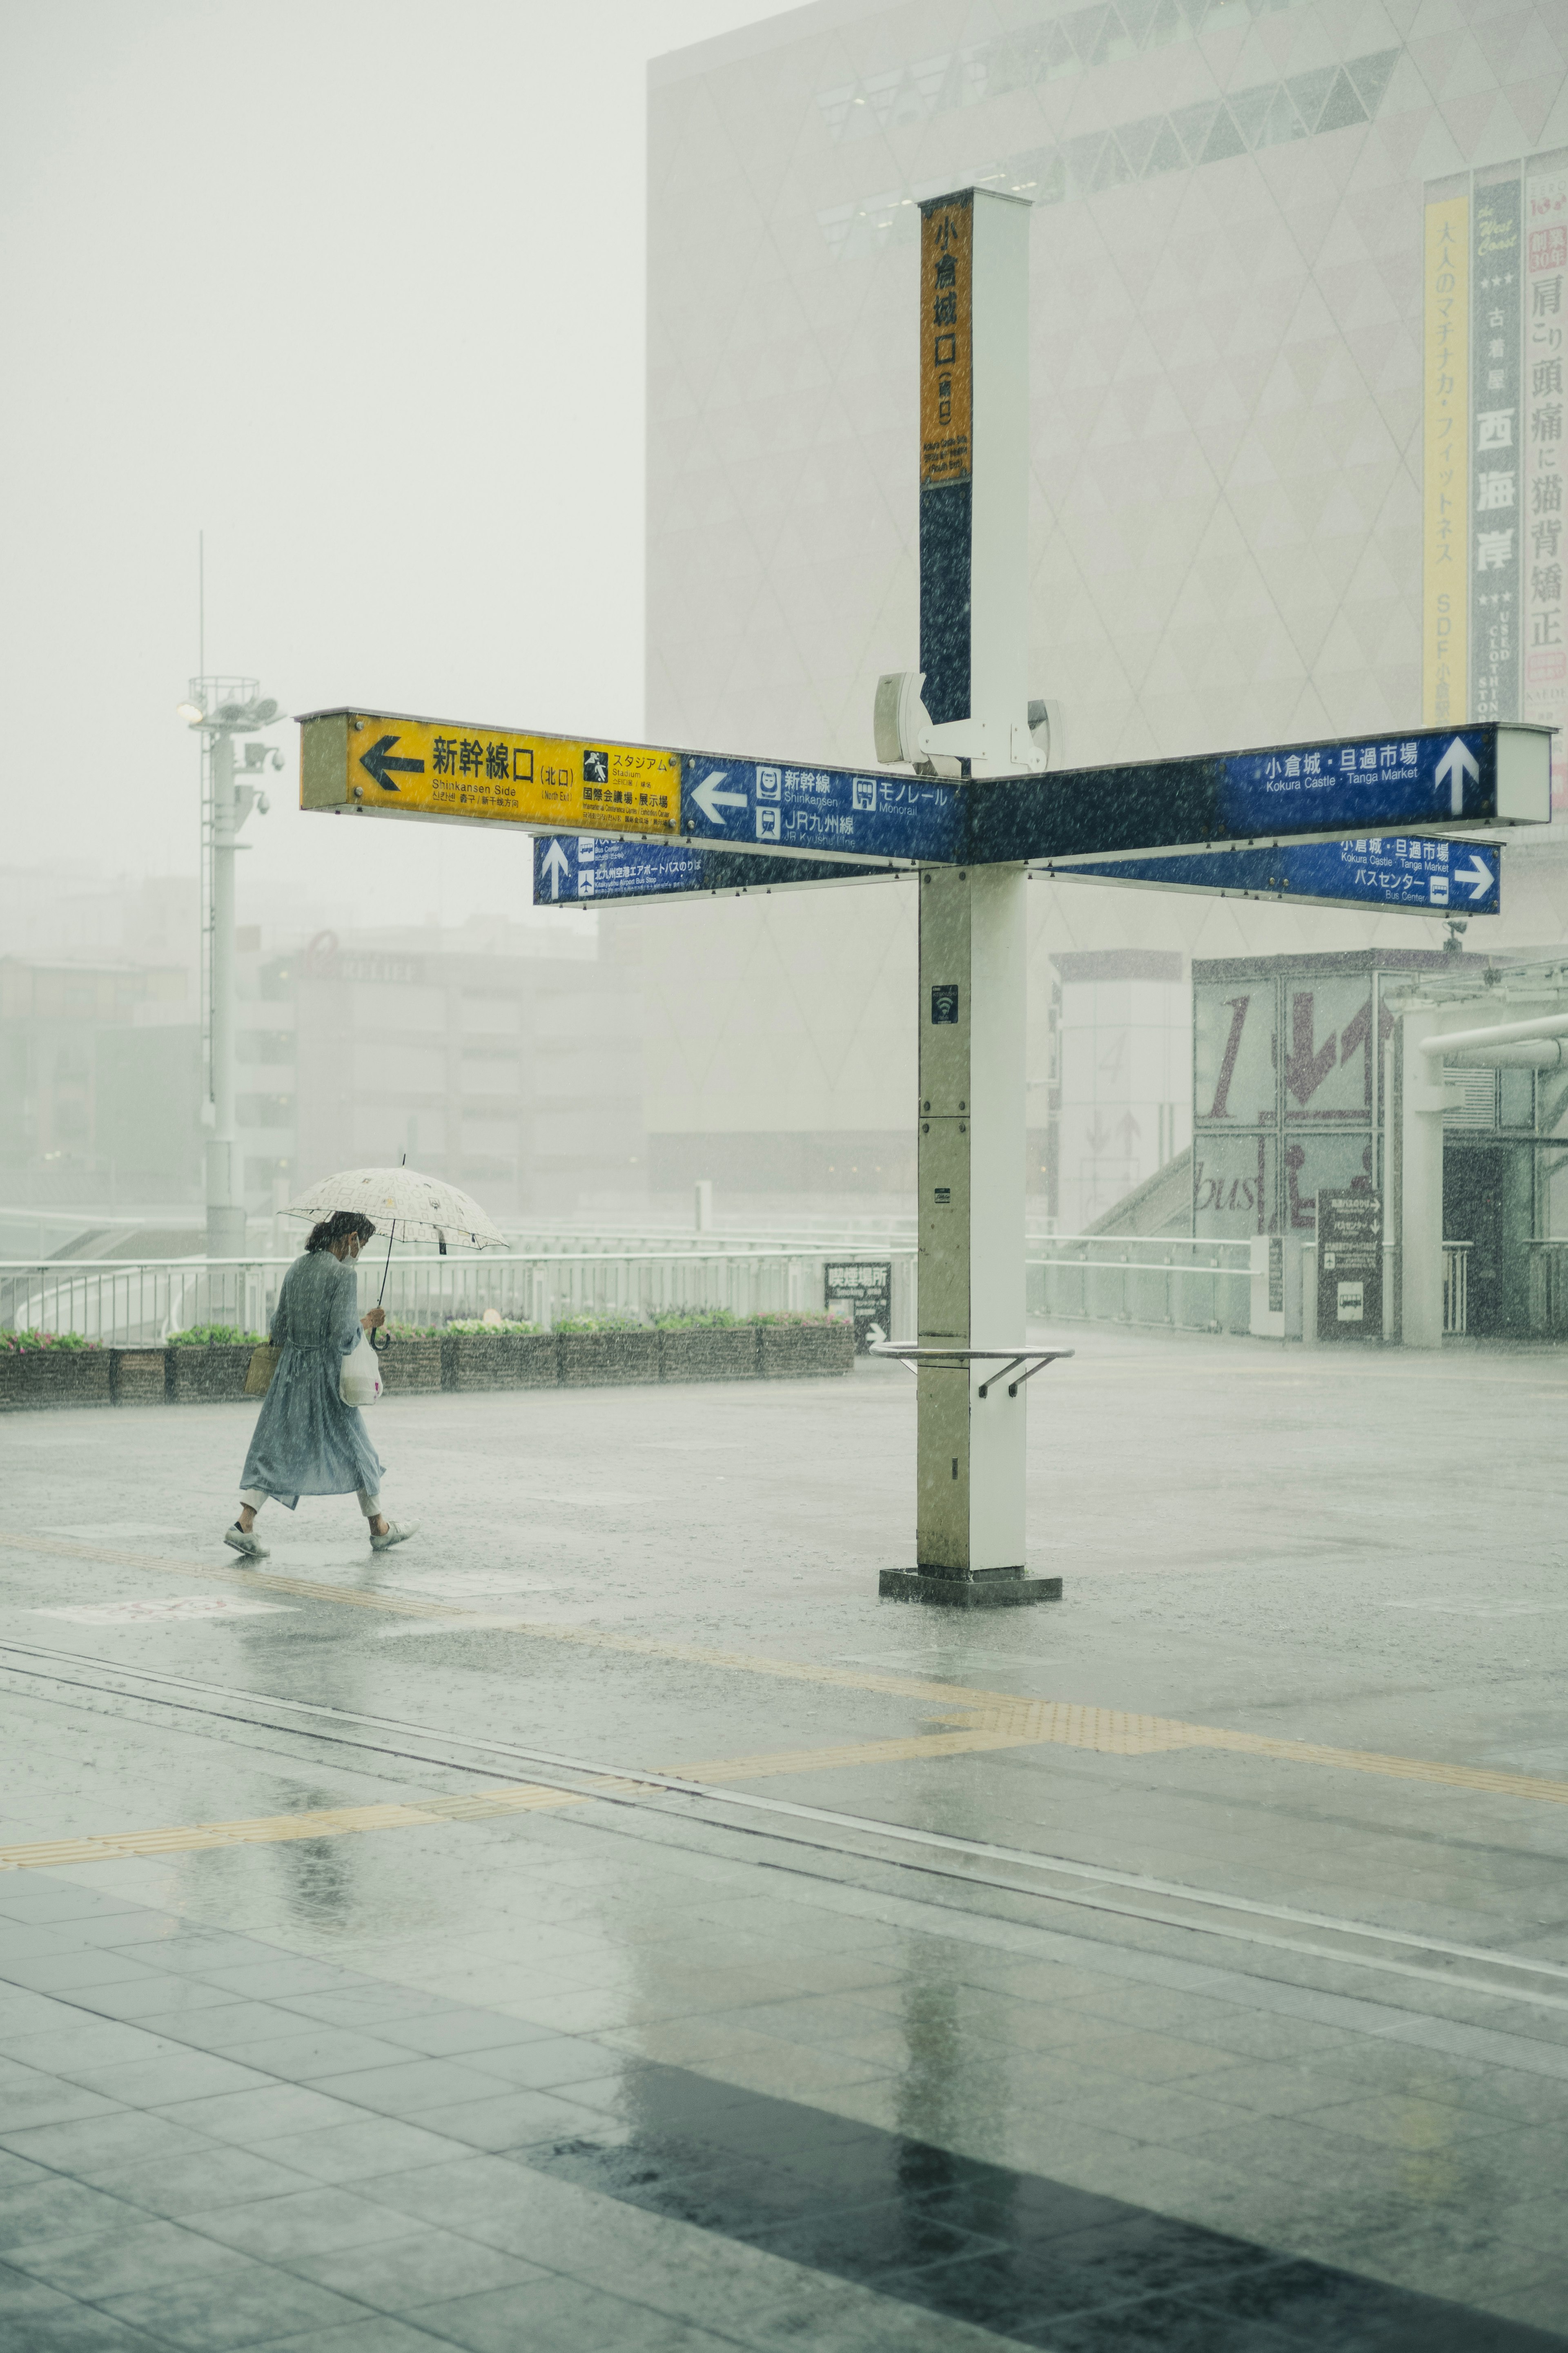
{"type": "Point", "coordinates": [913, 1357]}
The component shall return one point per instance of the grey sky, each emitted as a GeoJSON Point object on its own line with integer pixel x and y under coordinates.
{"type": "Point", "coordinates": [355, 285]}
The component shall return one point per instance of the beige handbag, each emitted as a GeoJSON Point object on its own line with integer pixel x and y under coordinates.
{"type": "Point", "coordinates": [259, 1371]}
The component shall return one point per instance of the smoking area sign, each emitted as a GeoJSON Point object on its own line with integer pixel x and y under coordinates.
{"type": "Point", "coordinates": [861, 1291]}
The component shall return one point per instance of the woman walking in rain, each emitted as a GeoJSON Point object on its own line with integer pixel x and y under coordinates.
{"type": "Point", "coordinates": [307, 1440]}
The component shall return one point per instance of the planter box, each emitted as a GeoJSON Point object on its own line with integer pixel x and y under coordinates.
{"type": "Point", "coordinates": [805, 1351]}
{"type": "Point", "coordinates": [211, 1374]}
{"type": "Point", "coordinates": [60, 1377]}
{"type": "Point", "coordinates": [139, 1375]}
{"type": "Point", "coordinates": [410, 1367]}
{"type": "Point", "coordinates": [598, 1359]}
{"type": "Point", "coordinates": [723, 1355]}
{"type": "Point", "coordinates": [508, 1360]}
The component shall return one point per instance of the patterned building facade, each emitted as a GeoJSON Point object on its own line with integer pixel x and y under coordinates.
{"type": "Point", "coordinates": [1271, 273]}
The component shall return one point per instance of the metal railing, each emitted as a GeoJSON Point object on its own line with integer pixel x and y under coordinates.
{"type": "Point", "coordinates": [1184, 1284]}
{"type": "Point", "coordinates": [1174, 1282]}
{"type": "Point", "coordinates": [125, 1302]}
{"type": "Point", "coordinates": [1455, 1288]}
{"type": "Point", "coordinates": [1549, 1287]}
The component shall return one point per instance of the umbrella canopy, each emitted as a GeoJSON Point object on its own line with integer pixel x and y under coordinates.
{"type": "Point", "coordinates": [404, 1205]}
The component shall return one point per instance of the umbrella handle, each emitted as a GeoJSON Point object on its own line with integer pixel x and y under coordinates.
{"type": "Point", "coordinates": [391, 1236]}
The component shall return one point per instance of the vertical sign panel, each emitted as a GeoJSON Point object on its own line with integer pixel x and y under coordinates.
{"type": "Point", "coordinates": [1445, 600]}
{"type": "Point", "coordinates": [947, 456]}
{"type": "Point", "coordinates": [1350, 1265]}
{"type": "Point", "coordinates": [1495, 554]}
{"type": "Point", "coordinates": [1540, 521]}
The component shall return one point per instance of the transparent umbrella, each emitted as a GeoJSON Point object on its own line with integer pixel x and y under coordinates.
{"type": "Point", "coordinates": [407, 1206]}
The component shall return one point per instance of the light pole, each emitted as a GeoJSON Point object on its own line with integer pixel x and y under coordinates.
{"type": "Point", "coordinates": [220, 709]}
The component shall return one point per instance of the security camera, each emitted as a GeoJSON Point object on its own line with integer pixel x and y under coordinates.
{"type": "Point", "coordinates": [263, 804]}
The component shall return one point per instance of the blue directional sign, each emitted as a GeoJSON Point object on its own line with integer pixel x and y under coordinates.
{"type": "Point", "coordinates": [580, 869]}
{"type": "Point", "coordinates": [1430, 780]}
{"type": "Point", "coordinates": [767, 805]}
{"type": "Point", "coordinates": [1344, 786]}
{"type": "Point", "coordinates": [1412, 875]}
{"type": "Point", "coordinates": [1386, 787]}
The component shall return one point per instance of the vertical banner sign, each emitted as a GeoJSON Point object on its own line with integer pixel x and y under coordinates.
{"type": "Point", "coordinates": [1496, 564]}
{"type": "Point", "coordinates": [1545, 639]}
{"type": "Point", "coordinates": [947, 456]}
{"type": "Point", "coordinates": [1446, 537]}
{"type": "Point", "coordinates": [1350, 1265]}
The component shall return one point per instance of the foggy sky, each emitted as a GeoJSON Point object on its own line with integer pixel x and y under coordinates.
{"type": "Point", "coordinates": [357, 287]}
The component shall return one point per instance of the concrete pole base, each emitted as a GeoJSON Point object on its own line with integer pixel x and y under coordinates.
{"type": "Point", "coordinates": [996, 1588]}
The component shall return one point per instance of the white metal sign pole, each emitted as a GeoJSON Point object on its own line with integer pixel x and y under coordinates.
{"type": "Point", "coordinates": [225, 1193]}
{"type": "Point", "coordinates": [974, 474]}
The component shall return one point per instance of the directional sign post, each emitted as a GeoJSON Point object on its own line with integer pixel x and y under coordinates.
{"type": "Point", "coordinates": [1429, 781]}
{"type": "Point", "coordinates": [1373, 788]}
{"type": "Point", "coordinates": [380, 766]}
{"type": "Point", "coordinates": [769, 807]}
{"type": "Point", "coordinates": [582, 868]}
{"type": "Point", "coordinates": [1421, 876]}
{"type": "Point", "coordinates": [973, 810]}
{"type": "Point", "coordinates": [1413, 877]}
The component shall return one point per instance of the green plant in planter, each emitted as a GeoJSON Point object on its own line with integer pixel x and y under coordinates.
{"type": "Point", "coordinates": [601, 1323]}
{"type": "Point", "coordinates": [216, 1335]}
{"type": "Point", "coordinates": [30, 1342]}
{"type": "Point", "coordinates": [795, 1317]}
{"type": "Point", "coordinates": [412, 1332]}
{"type": "Point", "coordinates": [474, 1327]}
{"type": "Point", "coordinates": [710, 1319]}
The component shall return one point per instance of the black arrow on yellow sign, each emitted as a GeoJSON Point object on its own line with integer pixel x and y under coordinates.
{"type": "Point", "coordinates": [378, 761]}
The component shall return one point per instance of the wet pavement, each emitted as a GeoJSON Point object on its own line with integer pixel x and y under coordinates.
{"type": "Point", "coordinates": [602, 1923]}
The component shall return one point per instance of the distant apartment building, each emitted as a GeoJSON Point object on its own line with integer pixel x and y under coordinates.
{"type": "Point", "coordinates": [508, 1057]}
{"type": "Point", "coordinates": [504, 1057]}
{"type": "Point", "coordinates": [99, 1067]}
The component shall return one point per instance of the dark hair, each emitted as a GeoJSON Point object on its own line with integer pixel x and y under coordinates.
{"type": "Point", "coordinates": [341, 1223]}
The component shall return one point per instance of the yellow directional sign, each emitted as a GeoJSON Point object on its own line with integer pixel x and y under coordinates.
{"type": "Point", "coordinates": [392, 766]}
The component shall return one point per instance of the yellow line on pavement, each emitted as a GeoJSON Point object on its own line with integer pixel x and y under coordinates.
{"type": "Point", "coordinates": [268, 1829]}
{"type": "Point", "coordinates": [492, 1804]}
{"type": "Point", "coordinates": [989, 1719]}
{"type": "Point", "coordinates": [1023, 1722]}
{"type": "Point", "coordinates": [478, 1806]}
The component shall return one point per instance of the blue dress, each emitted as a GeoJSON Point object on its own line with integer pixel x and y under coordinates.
{"type": "Point", "coordinates": [307, 1440]}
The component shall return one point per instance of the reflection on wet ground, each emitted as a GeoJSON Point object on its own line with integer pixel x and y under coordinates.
{"type": "Point", "coordinates": [364, 1993]}
{"type": "Point", "coordinates": [1033, 2260]}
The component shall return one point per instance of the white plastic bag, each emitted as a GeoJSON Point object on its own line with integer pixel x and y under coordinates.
{"type": "Point", "coordinates": [360, 1380]}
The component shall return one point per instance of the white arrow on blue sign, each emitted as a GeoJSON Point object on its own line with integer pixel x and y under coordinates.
{"type": "Point", "coordinates": [580, 870]}
{"type": "Point", "coordinates": [1400, 785]}
{"type": "Point", "coordinates": [1351, 783]}
{"type": "Point", "coordinates": [1413, 876]}
{"type": "Point", "coordinates": [810, 812]}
